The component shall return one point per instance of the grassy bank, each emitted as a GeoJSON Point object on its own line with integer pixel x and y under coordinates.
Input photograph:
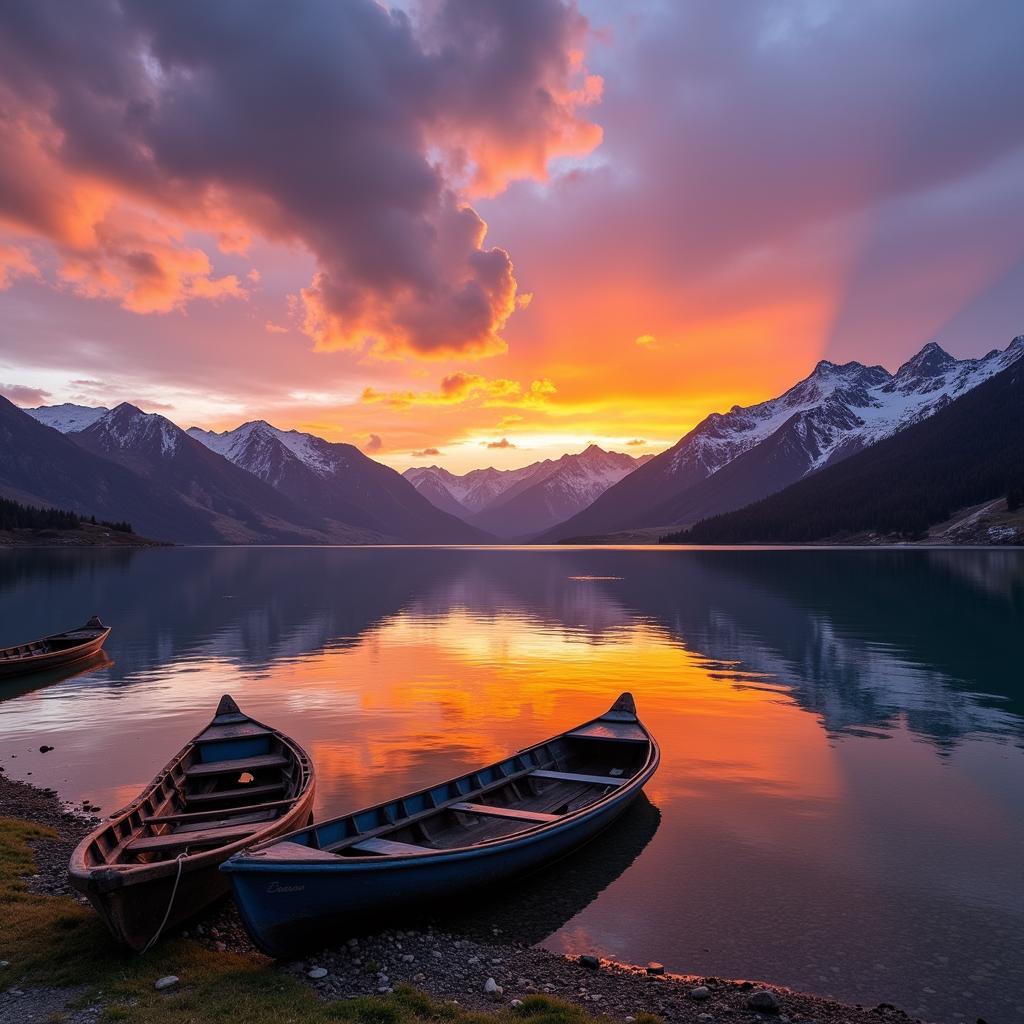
{"type": "Point", "coordinates": [53, 942]}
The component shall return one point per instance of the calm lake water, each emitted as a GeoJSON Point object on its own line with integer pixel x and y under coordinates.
{"type": "Point", "coordinates": [840, 806]}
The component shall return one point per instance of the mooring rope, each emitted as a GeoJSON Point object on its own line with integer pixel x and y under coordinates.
{"type": "Point", "coordinates": [174, 892]}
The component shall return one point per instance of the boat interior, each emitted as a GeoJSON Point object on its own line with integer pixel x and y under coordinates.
{"type": "Point", "coordinates": [531, 789]}
{"type": "Point", "coordinates": [231, 781]}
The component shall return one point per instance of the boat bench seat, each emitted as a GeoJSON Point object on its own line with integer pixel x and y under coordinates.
{"type": "Point", "coordinates": [233, 731]}
{"type": "Point", "coordinates": [174, 841]}
{"type": "Point", "coordinates": [241, 764]}
{"type": "Point", "coordinates": [591, 780]}
{"type": "Point", "coordinates": [233, 794]}
{"type": "Point", "coordinates": [488, 810]}
{"type": "Point", "coordinates": [388, 848]}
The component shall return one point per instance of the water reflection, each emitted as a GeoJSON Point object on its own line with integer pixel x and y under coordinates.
{"type": "Point", "coordinates": [842, 790]}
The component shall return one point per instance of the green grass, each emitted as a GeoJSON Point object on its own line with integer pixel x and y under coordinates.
{"type": "Point", "coordinates": [51, 940]}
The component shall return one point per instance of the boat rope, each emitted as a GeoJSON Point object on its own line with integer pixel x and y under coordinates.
{"type": "Point", "coordinates": [174, 892]}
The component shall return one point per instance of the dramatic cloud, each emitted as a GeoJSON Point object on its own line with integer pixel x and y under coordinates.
{"type": "Point", "coordinates": [425, 453]}
{"type": "Point", "coordinates": [776, 182]}
{"type": "Point", "coordinates": [503, 443]}
{"type": "Point", "coordinates": [373, 444]}
{"type": "Point", "coordinates": [131, 131]}
{"type": "Point", "coordinates": [19, 394]}
{"type": "Point", "coordinates": [636, 442]}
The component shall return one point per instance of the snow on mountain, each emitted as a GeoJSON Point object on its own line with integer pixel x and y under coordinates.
{"type": "Point", "coordinates": [338, 481]}
{"type": "Point", "coordinates": [861, 405]}
{"type": "Point", "coordinates": [562, 489]}
{"type": "Point", "coordinates": [518, 502]}
{"type": "Point", "coordinates": [67, 418]}
{"type": "Point", "coordinates": [476, 490]}
{"type": "Point", "coordinates": [254, 446]}
{"type": "Point", "coordinates": [132, 430]}
{"type": "Point", "coordinates": [835, 411]}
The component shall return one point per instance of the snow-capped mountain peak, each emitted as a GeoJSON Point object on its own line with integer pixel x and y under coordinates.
{"type": "Point", "coordinates": [67, 417]}
{"type": "Point", "coordinates": [519, 502]}
{"type": "Point", "coordinates": [129, 428]}
{"type": "Point", "coordinates": [731, 459]}
{"type": "Point", "coordinates": [260, 447]}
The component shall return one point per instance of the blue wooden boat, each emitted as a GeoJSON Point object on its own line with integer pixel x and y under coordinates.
{"type": "Point", "coordinates": [330, 880]}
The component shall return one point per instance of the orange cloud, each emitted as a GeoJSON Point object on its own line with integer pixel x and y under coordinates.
{"type": "Point", "coordinates": [115, 171]}
{"type": "Point", "coordinates": [458, 388]}
{"type": "Point", "coordinates": [142, 263]}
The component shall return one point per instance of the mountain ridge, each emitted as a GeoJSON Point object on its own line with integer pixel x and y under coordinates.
{"type": "Point", "coordinates": [338, 481]}
{"type": "Point", "coordinates": [836, 410]}
{"type": "Point", "coordinates": [969, 452]}
{"type": "Point", "coordinates": [519, 503]}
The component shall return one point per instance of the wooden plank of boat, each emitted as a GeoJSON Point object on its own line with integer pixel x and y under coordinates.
{"type": "Point", "coordinates": [235, 765]}
{"type": "Point", "coordinates": [509, 817]}
{"type": "Point", "coordinates": [233, 794]}
{"type": "Point", "coordinates": [175, 841]}
{"type": "Point", "coordinates": [154, 863]}
{"type": "Point", "coordinates": [590, 780]}
{"type": "Point", "coordinates": [54, 651]}
{"type": "Point", "coordinates": [515, 813]}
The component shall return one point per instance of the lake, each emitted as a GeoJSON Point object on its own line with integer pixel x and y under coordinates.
{"type": "Point", "coordinates": [840, 806]}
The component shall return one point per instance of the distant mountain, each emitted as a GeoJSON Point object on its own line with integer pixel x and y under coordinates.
{"type": "Point", "coordinates": [336, 481]}
{"type": "Point", "coordinates": [67, 417]}
{"type": "Point", "coordinates": [518, 503]}
{"type": "Point", "coordinates": [561, 489]}
{"type": "Point", "coordinates": [732, 459]}
{"type": "Point", "coordinates": [230, 504]}
{"type": "Point", "coordinates": [40, 466]}
{"type": "Point", "coordinates": [473, 491]}
{"type": "Point", "coordinates": [967, 453]}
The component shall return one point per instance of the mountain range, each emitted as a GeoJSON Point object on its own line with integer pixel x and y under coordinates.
{"type": "Point", "coordinates": [126, 464]}
{"type": "Point", "coordinates": [520, 503]}
{"type": "Point", "coordinates": [260, 484]}
{"type": "Point", "coordinates": [968, 453]}
{"type": "Point", "coordinates": [732, 459]}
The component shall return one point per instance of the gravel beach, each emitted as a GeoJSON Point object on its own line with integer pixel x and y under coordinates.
{"type": "Point", "coordinates": [476, 969]}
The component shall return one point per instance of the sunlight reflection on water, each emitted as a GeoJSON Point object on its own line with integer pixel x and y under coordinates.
{"type": "Point", "coordinates": [842, 792]}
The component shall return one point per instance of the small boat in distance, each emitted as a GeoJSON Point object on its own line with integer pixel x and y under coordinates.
{"type": "Point", "coordinates": [154, 863]}
{"type": "Point", "coordinates": [54, 651]}
{"type": "Point", "coordinates": [434, 845]}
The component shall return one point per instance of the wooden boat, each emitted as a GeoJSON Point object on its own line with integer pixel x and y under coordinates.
{"type": "Point", "coordinates": [154, 863]}
{"type": "Point", "coordinates": [506, 819]}
{"type": "Point", "coordinates": [54, 651]}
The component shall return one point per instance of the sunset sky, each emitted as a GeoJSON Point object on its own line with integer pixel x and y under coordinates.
{"type": "Point", "coordinates": [477, 232]}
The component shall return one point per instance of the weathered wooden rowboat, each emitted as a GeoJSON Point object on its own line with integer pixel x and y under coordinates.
{"type": "Point", "coordinates": [154, 863]}
{"type": "Point", "coordinates": [514, 816]}
{"type": "Point", "coordinates": [54, 651]}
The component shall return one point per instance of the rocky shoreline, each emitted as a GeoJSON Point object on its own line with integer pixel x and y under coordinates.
{"type": "Point", "coordinates": [480, 969]}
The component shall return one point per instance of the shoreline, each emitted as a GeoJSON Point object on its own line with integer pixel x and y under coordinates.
{"type": "Point", "coordinates": [449, 966]}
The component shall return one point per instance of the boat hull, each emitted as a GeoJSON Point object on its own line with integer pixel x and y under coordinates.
{"type": "Point", "coordinates": [134, 913]}
{"type": "Point", "coordinates": [52, 659]}
{"type": "Point", "coordinates": [133, 906]}
{"type": "Point", "coordinates": [292, 906]}
{"type": "Point", "coordinates": [154, 863]}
